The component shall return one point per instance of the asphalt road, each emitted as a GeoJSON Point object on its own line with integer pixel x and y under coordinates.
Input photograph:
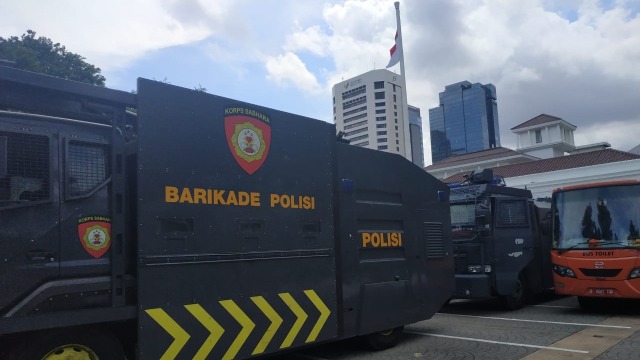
{"type": "Point", "coordinates": [550, 328]}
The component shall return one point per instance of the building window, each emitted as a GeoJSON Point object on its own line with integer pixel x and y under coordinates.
{"type": "Point", "coordinates": [381, 118]}
{"type": "Point", "coordinates": [396, 128]}
{"type": "Point", "coordinates": [382, 147]}
{"type": "Point", "coordinates": [397, 148]}
{"type": "Point", "coordinates": [538, 136]}
{"type": "Point", "coordinates": [395, 107]}
{"type": "Point", "coordinates": [378, 85]}
{"type": "Point", "coordinates": [359, 137]}
{"type": "Point", "coordinates": [382, 133]}
{"type": "Point", "coordinates": [359, 123]}
{"type": "Point", "coordinates": [396, 121]}
{"type": "Point", "coordinates": [381, 126]}
{"type": "Point", "coordinates": [355, 102]}
{"type": "Point", "coordinates": [379, 95]}
{"type": "Point", "coordinates": [365, 143]}
{"type": "Point", "coordinates": [380, 104]}
{"type": "Point", "coordinates": [381, 111]}
{"type": "Point", "coordinates": [397, 142]}
{"type": "Point", "coordinates": [354, 92]}
{"type": "Point", "coordinates": [357, 131]}
{"type": "Point", "coordinates": [382, 140]}
{"type": "Point", "coordinates": [357, 117]}
{"type": "Point", "coordinates": [363, 108]}
{"type": "Point", "coordinates": [394, 98]}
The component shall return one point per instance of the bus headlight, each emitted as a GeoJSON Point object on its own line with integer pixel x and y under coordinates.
{"type": "Point", "coordinates": [477, 269]}
{"type": "Point", "coordinates": [563, 271]}
{"type": "Point", "coordinates": [635, 273]}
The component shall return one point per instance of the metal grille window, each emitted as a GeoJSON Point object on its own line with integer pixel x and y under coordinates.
{"type": "Point", "coordinates": [87, 168]}
{"type": "Point", "coordinates": [25, 168]}
{"type": "Point", "coordinates": [512, 213]}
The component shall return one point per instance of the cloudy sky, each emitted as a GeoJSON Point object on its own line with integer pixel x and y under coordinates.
{"type": "Point", "coordinates": [575, 59]}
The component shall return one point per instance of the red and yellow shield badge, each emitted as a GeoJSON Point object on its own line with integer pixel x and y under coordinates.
{"type": "Point", "coordinates": [249, 137]}
{"type": "Point", "coordinates": [95, 234]}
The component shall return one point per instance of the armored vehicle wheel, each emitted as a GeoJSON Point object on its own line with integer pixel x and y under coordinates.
{"type": "Point", "coordinates": [384, 339]}
{"type": "Point", "coordinates": [517, 299]}
{"type": "Point", "coordinates": [69, 344]}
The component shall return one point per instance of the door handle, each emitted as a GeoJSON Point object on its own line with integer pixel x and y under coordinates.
{"type": "Point", "coordinates": [38, 255]}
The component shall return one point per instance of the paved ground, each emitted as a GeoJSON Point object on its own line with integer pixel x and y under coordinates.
{"type": "Point", "coordinates": [552, 328]}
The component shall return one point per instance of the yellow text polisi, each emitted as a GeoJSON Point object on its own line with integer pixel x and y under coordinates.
{"type": "Point", "coordinates": [381, 239]}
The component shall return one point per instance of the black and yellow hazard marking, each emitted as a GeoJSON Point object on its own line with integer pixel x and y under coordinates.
{"type": "Point", "coordinates": [216, 329]}
{"type": "Point", "coordinates": [275, 319]}
{"type": "Point", "coordinates": [180, 337]}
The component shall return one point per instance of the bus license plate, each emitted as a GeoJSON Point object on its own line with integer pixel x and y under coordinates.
{"type": "Point", "coordinates": [604, 292]}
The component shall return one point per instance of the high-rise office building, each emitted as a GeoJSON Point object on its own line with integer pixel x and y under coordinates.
{"type": "Point", "coordinates": [369, 109]}
{"type": "Point", "coordinates": [415, 133]}
{"type": "Point", "coordinates": [466, 120]}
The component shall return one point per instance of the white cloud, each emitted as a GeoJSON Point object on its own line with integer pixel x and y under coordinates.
{"type": "Point", "coordinates": [288, 69]}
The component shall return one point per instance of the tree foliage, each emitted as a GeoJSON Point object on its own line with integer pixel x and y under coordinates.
{"type": "Point", "coordinates": [43, 56]}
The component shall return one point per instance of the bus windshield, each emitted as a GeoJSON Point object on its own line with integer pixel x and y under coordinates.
{"type": "Point", "coordinates": [598, 217]}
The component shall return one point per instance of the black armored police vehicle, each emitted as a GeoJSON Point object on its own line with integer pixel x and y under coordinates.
{"type": "Point", "coordinates": [499, 244]}
{"type": "Point", "coordinates": [175, 224]}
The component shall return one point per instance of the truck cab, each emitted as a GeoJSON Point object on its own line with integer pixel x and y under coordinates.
{"type": "Point", "coordinates": [499, 247]}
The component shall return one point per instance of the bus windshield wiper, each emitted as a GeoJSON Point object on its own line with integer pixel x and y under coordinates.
{"type": "Point", "coordinates": [563, 250]}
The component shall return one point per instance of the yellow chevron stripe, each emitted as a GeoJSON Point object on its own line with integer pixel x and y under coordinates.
{"type": "Point", "coordinates": [211, 324]}
{"type": "Point", "coordinates": [301, 318]}
{"type": "Point", "coordinates": [324, 314]}
{"type": "Point", "coordinates": [180, 337]}
{"type": "Point", "coordinates": [276, 321]}
{"type": "Point", "coordinates": [244, 321]}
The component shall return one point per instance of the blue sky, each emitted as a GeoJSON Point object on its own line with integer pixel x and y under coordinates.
{"type": "Point", "coordinates": [575, 59]}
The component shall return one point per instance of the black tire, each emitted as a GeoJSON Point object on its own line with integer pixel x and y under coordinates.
{"type": "Point", "coordinates": [83, 343]}
{"type": "Point", "coordinates": [384, 339]}
{"type": "Point", "coordinates": [519, 298]}
{"type": "Point", "coordinates": [590, 303]}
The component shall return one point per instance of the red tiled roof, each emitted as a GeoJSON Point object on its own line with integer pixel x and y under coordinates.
{"type": "Point", "coordinates": [558, 163]}
{"type": "Point", "coordinates": [483, 155]}
{"type": "Point", "coordinates": [540, 119]}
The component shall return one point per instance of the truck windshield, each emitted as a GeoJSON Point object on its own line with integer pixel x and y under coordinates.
{"type": "Point", "coordinates": [599, 217]}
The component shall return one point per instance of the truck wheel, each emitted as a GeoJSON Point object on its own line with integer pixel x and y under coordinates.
{"type": "Point", "coordinates": [589, 303]}
{"type": "Point", "coordinates": [516, 300]}
{"type": "Point", "coordinates": [384, 339]}
{"type": "Point", "coordinates": [69, 344]}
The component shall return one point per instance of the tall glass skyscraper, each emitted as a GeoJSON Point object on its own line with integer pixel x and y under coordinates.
{"type": "Point", "coordinates": [466, 120]}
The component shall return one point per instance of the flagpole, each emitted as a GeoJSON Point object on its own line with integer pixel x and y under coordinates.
{"type": "Point", "coordinates": [405, 109]}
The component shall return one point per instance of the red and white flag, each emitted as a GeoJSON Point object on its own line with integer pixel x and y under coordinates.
{"type": "Point", "coordinates": [395, 52]}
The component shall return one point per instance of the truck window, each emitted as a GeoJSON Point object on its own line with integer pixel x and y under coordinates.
{"type": "Point", "coordinates": [25, 169]}
{"type": "Point", "coordinates": [87, 168]}
{"type": "Point", "coordinates": [512, 213]}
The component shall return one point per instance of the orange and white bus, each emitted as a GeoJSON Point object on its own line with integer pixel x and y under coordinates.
{"type": "Point", "coordinates": [596, 241]}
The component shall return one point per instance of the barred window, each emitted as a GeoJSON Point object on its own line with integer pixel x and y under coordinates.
{"type": "Point", "coordinates": [87, 168]}
{"type": "Point", "coordinates": [512, 213]}
{"type": "Point", "coordinates": [24, 168]}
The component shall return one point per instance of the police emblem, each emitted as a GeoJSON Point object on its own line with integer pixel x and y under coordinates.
{"type": "Point", "coordinates": [95, 235]}
{"type": "Point", "coordinates": [248, 136]}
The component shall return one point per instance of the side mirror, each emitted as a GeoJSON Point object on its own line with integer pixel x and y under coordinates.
{"type": "Point", "coordinates": [545, 224]}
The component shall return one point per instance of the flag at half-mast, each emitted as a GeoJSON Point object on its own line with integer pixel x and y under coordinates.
{"type": "Point", "coordinates": [396, 52]}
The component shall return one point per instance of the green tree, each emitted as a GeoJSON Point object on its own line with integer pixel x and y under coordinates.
{"type": "Point", "coordinates": [633, 231]}
{"type": "Point", "coordinates": [43, 56]}
{"type": "Point", "coordinates": [604, 220]}
{"type": "Point", "coordinates": [589, 229]}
